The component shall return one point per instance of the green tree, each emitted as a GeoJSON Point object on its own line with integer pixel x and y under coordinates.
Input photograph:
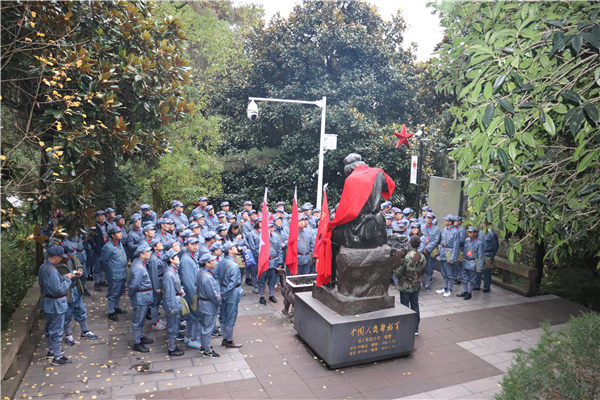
{"type": "Point", "coordinates": [342, 50]}
{"type": "Point", "coordinates": [527, 76]}
{"type": "Point", "coordinates": [192, 167]}
{"type": "Point", "coordinates": [86, 86]}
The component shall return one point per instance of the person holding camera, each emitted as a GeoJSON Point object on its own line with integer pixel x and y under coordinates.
{"type": "Point", "coordinates": [76, 308]}
{"type": "Point", "coordinates": [54, 288]}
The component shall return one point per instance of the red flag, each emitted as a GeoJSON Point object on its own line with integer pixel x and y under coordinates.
{"type": "Point", "coordinates": [322, 253]}
{"type": "Point", "coordinates": [265, 244]}
{"type": "Point", "coordinates": [291, 258]}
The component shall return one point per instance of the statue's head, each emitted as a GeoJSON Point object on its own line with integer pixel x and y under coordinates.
{"type": "Point", "coordinates": [352, 161]}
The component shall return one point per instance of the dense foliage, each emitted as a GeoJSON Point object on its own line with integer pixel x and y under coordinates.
{"type": "Point", "coordinates": [342, 50]}
{"type": "Point", "coordinates": [564, 365]}
{"type": "Point", "coordinates": [527, 77]}
{"type": "Point", "coordinates": [18, 266]}
{"type": "Point", "coordinates": [85, 86]}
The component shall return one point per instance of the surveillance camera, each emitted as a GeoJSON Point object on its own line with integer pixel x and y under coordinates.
{"type": "Point", "coordinates": [252, 111]}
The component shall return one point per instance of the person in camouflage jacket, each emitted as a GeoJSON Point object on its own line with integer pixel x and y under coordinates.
{"type": "Point", "coordinates": [409, 275]}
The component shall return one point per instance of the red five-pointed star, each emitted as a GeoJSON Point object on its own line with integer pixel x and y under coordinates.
{"type": "Point", "coordinates": [403, 137]}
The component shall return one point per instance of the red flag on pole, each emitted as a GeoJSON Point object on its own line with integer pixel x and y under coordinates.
{"type": "Point", "coordinates": [322, 252]}
{"type": "Point", "coordinates": [265, 244]}
{"type": "Point", "coordinates": [291, 258]}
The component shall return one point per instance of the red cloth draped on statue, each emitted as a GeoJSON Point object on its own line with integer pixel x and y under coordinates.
{"type": "Point", "coordinates": [357, 189]}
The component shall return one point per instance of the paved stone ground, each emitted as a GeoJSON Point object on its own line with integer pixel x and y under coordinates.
{"type": "Point", "coordinates": [462, 351]}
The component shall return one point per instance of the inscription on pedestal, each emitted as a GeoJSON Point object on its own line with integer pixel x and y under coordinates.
{"type": "Point", "coordinates": [343, 340]}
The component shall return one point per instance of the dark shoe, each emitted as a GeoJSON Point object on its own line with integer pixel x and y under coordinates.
{"type": "Point", "coordinates": [468, 296]}
{"type": "Point", "coordinates": [146, 340]}
{"type": "Point", "coordinates": [61, 361]}
{"type": "Point", "coordinates": [119, 311]}
{"type": "Point", "coordinates": [180, 337]}
{"type": "Point", "coordinates": [90, 278]}
{"type": "Point", "coordinates": [463, 294]}
{"type": "Point", "coordinates": [249, 282]}
{"type": "Point", "coordinates": [211, 354]}
{"type": "Point", "coordinates": [272, 299]}
{"type": "Point", "coordinates": [148, 315]}
{"type": "Point", "coordinates": [86, 292]}
{"type": "Point", "coordinates": [485, 291]}
{"type": "Point", "coordinates": [97, 286]}
{"type": "Point", "coordinates": [69, 340]}
{"type": "Point", "coordinates": [176, 352]}
{"type": "Point", "coordinates": [217, 332]}
{"type": "Point", "coordinates": [141, 348]}
{"type": "Point", "coordinates": [113, 317]}
{"type": "Point", "coordinates": [49, 355]}
{"type": "Point", "coordinates": [476, 288]}
{"type": "Point", "coordinates": [457, 281]}
{"type": "Point", "coordinates": [230, 344]}
{"type": "Point", "coordinates": [262, 301]}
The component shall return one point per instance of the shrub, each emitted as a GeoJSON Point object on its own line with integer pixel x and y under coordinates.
{"type": "Point", "coordinates": [564, 365]}
{"type": "Point", "coordinates": [18, 268]}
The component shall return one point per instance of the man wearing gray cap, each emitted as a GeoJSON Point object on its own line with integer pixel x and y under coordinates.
{"type": "Point", "coordinates": [188, 272]}
{"type": "Point", "coordinates": [114, 260]}
{"type": "Point", "coordinates": [306, 246]}
{"type": "Point", "coordinates": [247, 208]}
{"type": "Point", "coordinates": [147, 214]}
{"type": "Point", "coordinates": [172, 300]}
{"type": "Point", "coordinates": [228, 275]}
{"type": "Point", "coordinates": [209, 301]}
{"type": "Point", "coordinates": [135, 236]}
{"type": "Point", "coordinates": [140, 294]}
{"type": "Point", "coordinates": [54, 287]}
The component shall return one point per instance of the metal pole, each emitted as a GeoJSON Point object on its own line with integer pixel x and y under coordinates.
{"type": "Point", "coordinates": [323, 106]}
{"type": "Point", "coordinates": [419, 171]}
{"type": "Point", "coordinates": [314, 103]}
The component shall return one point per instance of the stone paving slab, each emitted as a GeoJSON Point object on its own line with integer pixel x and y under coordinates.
{"type": "Point", "coordinates": [453, 356]}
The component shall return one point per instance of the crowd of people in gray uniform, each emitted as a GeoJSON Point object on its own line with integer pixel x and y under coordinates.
{"type": "Point", "coordinates": [194, 267]}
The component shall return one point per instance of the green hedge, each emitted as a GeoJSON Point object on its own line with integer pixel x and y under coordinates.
{"type": "Point", "coordinates": [18, 268]}
{"type": "Point", "coordinates": [564, 365]}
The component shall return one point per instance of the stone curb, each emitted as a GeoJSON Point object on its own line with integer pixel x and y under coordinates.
{"type": "Point", "coordinates": [16, 354]}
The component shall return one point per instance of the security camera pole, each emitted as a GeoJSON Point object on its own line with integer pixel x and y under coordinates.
{"type": "Point", "coordinates": [253, 115]}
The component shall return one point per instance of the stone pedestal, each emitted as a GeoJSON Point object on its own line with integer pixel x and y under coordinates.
{"type": "Point", "coordinates": [344, 340]}
{"type": "Point", "coordinates": [363, 279]}
{"type": "Point", "coordinates": [345, 305]}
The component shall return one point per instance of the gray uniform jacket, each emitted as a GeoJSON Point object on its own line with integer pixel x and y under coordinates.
{"type": "Point", "coordinates": [139, 285]}
{"type": "Point", "coordinates": [207, 290]}
{"type": "Point", "coordinates": [54, 289]}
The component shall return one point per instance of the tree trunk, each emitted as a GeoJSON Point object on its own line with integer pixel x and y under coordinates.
{"type": "Point", "coordinates": [540, 251]}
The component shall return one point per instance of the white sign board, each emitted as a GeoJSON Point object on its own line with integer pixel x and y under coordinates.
{"type": "Point", "coordinates": [414, 167]}
{"type": "Point", "coordinates": [330, 142]}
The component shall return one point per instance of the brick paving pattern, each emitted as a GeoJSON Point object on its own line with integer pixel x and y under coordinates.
{"type": "Point", "coordinates": [462, 351]}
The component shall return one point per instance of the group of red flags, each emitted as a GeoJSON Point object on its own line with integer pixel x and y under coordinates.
{"type": "Point", "coordinates": [291, 258]}
{"type": "Point", "coordinates": [357, 189]}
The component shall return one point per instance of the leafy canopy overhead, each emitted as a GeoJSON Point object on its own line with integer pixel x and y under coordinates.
{"type": "Point", "coordinates": [90, 85]}
{"type": "Point", "coordinates": [527, 76]}
{"type": "Point", "coordinates": [342, 50]}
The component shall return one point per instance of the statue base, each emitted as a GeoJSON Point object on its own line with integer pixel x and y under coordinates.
{"type": "Point", "coordinates": [345, 305]}
{"type": "Point", "coordinates": [345, 340]}
{"type": "Point", "coordinates": [363, 280]}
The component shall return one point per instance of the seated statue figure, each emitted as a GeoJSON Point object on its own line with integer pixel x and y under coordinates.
{"type": "Point", "coordinates": [367, 229]}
